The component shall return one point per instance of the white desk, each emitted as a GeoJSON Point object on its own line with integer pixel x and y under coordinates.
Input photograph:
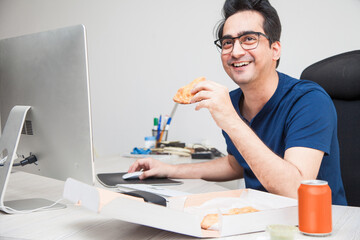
{"type": "Point", "coordinates": [79, 223]}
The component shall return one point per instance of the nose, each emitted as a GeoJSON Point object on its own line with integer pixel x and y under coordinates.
{"type": "Point", "coordinates": [237, 49]}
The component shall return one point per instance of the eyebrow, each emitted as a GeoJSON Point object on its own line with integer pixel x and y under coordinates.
{"type": "Point", "coordinates": [239, 34]}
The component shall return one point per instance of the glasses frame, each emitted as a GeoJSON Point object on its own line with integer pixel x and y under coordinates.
{"type": "Point", "coordinates": [218, 41]}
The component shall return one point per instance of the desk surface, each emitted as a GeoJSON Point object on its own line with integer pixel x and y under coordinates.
{"type": "Point", "coordinates": [76, 222]}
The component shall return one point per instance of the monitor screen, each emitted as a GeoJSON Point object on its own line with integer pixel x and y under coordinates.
{"type": "Point", "coordinates": [49, 72]}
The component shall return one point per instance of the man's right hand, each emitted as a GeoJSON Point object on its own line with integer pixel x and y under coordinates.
{"type": "Point", "coordinates": [151, 168]}
{"type": "Point", "coordinates": [216, 99]}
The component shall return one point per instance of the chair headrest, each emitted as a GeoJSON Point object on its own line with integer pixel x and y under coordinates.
{"type": "Point", "coordinates": [339, 75]}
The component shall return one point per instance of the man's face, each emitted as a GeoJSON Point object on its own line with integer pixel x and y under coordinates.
{"type": "Point", "coordinates": [258, 61]}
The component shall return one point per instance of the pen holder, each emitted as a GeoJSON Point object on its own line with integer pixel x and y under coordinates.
{"type": "Point", "coordinates": [163, 132]}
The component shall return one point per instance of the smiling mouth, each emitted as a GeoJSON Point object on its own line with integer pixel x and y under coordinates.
{"type": "Point", "coordinates": [240, 64]}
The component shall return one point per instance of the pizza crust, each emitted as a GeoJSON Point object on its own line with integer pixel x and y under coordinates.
{"type": "Point", "coordinates": [183, 95]}
{"type": "Point", "coordinates": [212, 219]}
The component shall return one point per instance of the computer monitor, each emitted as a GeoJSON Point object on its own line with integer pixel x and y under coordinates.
{"type": "Point", "coordinates": [48, 71]}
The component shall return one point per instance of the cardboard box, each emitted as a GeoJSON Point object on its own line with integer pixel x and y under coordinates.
{"type": "Point", "coordinates": [184, 214]}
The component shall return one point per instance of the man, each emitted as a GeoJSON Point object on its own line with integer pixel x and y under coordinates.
{"type": "Point", "coordinates": [279, 130]}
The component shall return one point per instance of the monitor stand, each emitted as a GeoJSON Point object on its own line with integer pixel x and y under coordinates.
{"type": "Point", "coordinates": [8, 146]}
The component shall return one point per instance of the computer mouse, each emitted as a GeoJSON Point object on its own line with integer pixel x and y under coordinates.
{"type": "Point", "coordinates": [133, 175]}
{"type": "Point", "coordinates": [148, 197]}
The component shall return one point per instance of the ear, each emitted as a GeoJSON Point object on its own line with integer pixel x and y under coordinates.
{"type": "Point", "coordinates": [276, 48]}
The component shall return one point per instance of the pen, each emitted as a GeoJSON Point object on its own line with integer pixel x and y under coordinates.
{"type": "Point", "coordinates": [156, 122]}
{"type": "Point", "coordinates": [159, 129]}
{"type": "Point", "coordinates": [166, 122]}
{"type": "Point", "coordinates": [167, 125]}
{"type": "Point", "coordinates": [173, 111]}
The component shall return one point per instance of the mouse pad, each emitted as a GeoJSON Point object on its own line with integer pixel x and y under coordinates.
{"type": "Point", "coordinates": [113, 179]}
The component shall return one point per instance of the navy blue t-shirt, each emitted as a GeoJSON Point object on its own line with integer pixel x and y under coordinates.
{"type": "Point", "coordinates": [299, 114]}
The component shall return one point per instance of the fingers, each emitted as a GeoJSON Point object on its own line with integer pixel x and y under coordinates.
{"type": "Point", "coordinates": [202, 104]}
{"type": "Point", "coordinates": [200, 96]}
{"type": "Point", "coordinates": [133, 167]}
{"type": "Point", "coordinates": [140, 164]}
{"type": "Point", "coordinates": [211, 91]}
{"type": "Point", "coordinates": [150, 167]}
{"type": "Point", "coordinates": [150, 173]}
{"type": "Point", "coordinates": [142, 176]}
{"type": "Point", "coordinates": [201, 86]}
{"type": "Point", "coordinates": [204, 90]}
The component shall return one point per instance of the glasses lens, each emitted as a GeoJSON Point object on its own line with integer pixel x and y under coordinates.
{"type": "Point", "coordinates": [227, 45]}
{"type": "Point", "coordinates": [249, 41]}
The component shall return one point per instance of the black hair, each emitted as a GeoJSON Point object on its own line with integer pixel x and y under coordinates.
{"type": "Point", "coordinates": [271, 24]}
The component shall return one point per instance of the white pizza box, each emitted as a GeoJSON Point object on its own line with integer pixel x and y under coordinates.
{"type": "Point", "coordinates": [184, 214]}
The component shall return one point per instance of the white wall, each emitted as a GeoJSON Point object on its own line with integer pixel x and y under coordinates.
{"type": "Point", "coordinates": [316, 29]}
{"type": "Point", "coordinates": [141, 52]}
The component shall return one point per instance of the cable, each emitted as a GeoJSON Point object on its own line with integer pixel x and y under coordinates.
{"type": "Point", "coordinates": [14, 165]}
{"type": "Point", "coordinates": [28, 160]}
{"type": "Point", "coordinates": [11, 210]}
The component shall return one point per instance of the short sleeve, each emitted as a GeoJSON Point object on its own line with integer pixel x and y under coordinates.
{"type": "Point", "coordinates": [311, 122]}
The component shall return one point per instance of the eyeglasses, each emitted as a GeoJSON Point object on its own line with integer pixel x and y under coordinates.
{"type": "Point", "coordinates": [248, 41]}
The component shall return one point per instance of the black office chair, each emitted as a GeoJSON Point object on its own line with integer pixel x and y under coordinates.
{"type": "Point", "coordinates": [340, 77]}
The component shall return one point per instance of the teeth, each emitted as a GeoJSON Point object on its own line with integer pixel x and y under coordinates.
{"type": "Point", "coordinates": [241, 64]}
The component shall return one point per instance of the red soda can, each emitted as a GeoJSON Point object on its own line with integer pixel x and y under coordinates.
{"type": "Point", "coordinates": [314, 198]}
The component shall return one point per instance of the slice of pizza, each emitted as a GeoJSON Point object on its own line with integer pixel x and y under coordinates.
{"type": "Point", "coordinates": [184, 95]}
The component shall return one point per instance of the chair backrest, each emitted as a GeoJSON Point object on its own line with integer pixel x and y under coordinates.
{"type": "Point", "coordinates": [340, 77]}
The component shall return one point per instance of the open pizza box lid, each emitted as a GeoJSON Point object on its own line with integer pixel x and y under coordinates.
{"type": "Point", "coordinates": [184, 214]}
